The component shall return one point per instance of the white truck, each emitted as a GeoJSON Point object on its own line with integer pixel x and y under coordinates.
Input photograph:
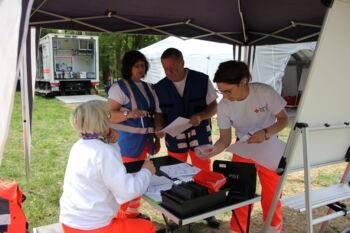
{"type": "Point", "coordinates": [67, 64]}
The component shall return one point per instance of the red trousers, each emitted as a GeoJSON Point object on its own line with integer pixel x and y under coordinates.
{"type": "Point", "coordinates": [202, 164]}
{"type": "Point", "coordinates": [269, 182]}
{"type": "Point", "coordinates": [130, 225]}
{"type": "Point", "coordinates": [131, 209]}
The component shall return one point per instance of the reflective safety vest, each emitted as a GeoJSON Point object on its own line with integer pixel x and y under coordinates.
{"type": "Point", "coordinates": [134, 133]}
{"type": "Point", "coordinates": [12, 218]}
{"type": "Point", "coordinates": [193, 101]}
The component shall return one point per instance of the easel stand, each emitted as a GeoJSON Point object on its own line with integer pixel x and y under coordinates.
{"type": "Point", "coordinates": [331, 196]}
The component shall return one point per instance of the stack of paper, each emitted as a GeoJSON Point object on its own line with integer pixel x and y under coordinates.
{"type": "Point", "coordinates": [180, 171]}
{"type": "Point", "coordinates": [157, 184]}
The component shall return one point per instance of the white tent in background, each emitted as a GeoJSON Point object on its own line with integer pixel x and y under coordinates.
{"type": "Point", "coordinates": [269, 67]}
{"type": "Point", "coordinates": [200, 55]}
{"type": "Point", "coordinates": [270, 63]}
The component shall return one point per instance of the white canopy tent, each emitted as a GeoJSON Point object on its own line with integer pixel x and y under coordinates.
{"type": "Point", "coordinates": [271, 61]}
{"type": "Point", "coordinates": [200, 55]}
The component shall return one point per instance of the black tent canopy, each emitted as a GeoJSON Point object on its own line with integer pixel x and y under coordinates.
{"type": "Point", "coordinates": [240, 22]}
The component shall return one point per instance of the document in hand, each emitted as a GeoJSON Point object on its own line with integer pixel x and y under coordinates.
{"type": "Point", "coordinates": [267, 153]}
{"type": "Point", "coordinates": [176, 127]}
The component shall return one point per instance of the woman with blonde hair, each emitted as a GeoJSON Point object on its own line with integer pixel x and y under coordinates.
{"type": "Point", "coordinates": [96, 182]}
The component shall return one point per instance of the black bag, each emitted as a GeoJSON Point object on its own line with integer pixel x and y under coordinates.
{"type": "Point", "coordinates": [240, 178]}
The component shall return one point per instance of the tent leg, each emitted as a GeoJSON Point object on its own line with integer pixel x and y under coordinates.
{"type": "Point", "coordinates": [25, 113]}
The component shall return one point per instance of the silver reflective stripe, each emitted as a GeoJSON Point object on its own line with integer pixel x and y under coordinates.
{"type": "Point", "coordinates": [132, 97]}
{"type": "Point", "coordinates": [181, 136]}
{"type": "Point", "coordinates": [194, 143]}
{"type": "Point", "coordinates": [132, 210]}
{"type": "Point", "coordinates": [182, 145]}
{"type": "Point", "coordinates": [208, 128]}
{"type": "Point", "coordinates": [5, 219]}
{"type": "Point", "coordinates": [131, 129]}
{"type": "Point", "coordinates": [192, 133]}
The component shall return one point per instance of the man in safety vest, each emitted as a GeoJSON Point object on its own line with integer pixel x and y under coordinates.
{"type": "Point", "coordinates": [189, 94]}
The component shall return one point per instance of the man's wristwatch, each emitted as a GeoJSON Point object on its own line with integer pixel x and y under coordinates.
{"type": "Point", "coordinates": [125, 114]}
{"type": "Point", "coordinates": [267, 135]}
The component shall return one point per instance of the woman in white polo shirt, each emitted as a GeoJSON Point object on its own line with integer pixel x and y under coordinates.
{"type": "Point", "coordinates": [96, 182]}
{"type": "Point", "coordinates": [252, 109]}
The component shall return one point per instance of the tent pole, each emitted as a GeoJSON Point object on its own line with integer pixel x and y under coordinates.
{"type": "Point", "coordinates": [25, 113]}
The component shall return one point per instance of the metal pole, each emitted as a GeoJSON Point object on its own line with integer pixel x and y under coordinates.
{"type": "Point", "coordinates": [307, 184]}
{"type": "Point", "coordinates": [25, 113]}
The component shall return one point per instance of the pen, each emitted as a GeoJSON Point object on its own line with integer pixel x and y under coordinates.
{"type": "Point", "coordinates": [143, 125]}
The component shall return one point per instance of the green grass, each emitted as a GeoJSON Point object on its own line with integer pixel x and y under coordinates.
{"type": "Point", "coordinates": [52, 138]}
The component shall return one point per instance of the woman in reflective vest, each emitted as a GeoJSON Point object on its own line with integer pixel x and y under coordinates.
{"type": "Point", "coordinates": [131, 103]}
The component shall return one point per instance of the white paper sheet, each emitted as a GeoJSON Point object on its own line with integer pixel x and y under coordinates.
{"type": "Point", "coordinates": [179, 170]}
{"type": "Point", "coordinates": [267, 153]}
{"type": "Point", "coordinates": [176, 127]}
{"type": "Point", "coordinates": [157, 184]}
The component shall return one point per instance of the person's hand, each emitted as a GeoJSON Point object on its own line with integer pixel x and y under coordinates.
{"type": "Point", "coordinates": [150, 166]}
{"type": "Point", "coordinates": [204, 151]}
{"type": "Point", "coordinates": [112, 136]}
{"type": "Point", "coordinates": [195, 120]}
{"type": "Point", "coordinates": [257, 137]}
{"type": "Point", "coordinates": [159, 134]}
{"type": "Point", "coordinates": [156, 145]}
{"type": "Point", "coordinates": [134, 114]}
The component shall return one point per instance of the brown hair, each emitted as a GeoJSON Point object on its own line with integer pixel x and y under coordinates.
{"type": "Point", "coordinates": [232, 72]}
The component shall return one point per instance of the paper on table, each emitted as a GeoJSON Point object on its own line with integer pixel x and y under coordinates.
{"type": "Point", "coordinates": [157, 184]}
{"type": "Point", "coordinates": [176, 127]}
{"type": "Point", "coordinates": [267, 153]}
{"type": "Point", "coordinates": [179, 170]}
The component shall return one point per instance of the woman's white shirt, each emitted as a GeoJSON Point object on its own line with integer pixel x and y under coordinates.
{"type": "Point", "coordinates": [95, 184]}
{"type": "Point", "coordinates": [115, 93]}
{"type": "Point", "coordinates": [252, 114]}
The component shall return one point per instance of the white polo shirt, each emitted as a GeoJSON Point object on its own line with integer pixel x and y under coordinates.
{"type": "Point", "coordinates": [95, 184]}
{"type": "Point", "coordinates": [252, 114]}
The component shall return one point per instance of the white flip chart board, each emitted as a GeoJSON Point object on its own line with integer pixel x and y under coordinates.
{"type": "Point", "coordinates": [326, 97]}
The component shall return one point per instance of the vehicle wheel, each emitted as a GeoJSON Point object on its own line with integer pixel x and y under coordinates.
{"type": "Point", "coordinates": [87, 91]}
{"type": "Point", "coordinates": [63, 92]}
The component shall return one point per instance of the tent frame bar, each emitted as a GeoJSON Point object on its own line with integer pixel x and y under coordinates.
{"type": "Point", "coordinates": [142, 25]}
{"type": "Point", "coordinates": [292, 24]}
{"type": "Point", "coordinates": [36, 9]}
{"type": "Point", "coordinates": [187, 22]}
{"type": "Point", "coordinates": [67, 19]}
{"type": "Point", "coordinates": [159, 26]}
{"type": "Point", "coordinates": [242, 21]}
